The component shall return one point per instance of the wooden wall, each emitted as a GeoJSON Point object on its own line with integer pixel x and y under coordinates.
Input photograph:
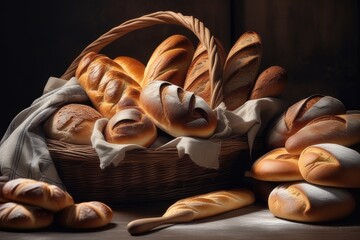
{"type": "Point", "coordinates": [316, 41]}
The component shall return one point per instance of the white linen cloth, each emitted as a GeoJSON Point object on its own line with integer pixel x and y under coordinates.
{"type": "Point", "coordinates": [24, 153]}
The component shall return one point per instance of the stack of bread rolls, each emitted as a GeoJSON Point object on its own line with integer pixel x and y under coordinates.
{"type": "Point", "coordinates": [27, 204]}
{"type": "Point", "coordinates": [311, 165]}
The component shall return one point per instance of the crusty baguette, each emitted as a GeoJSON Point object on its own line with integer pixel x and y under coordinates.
{"type": "Point", "coordinates": [15, 216]}
{"type": "Point", "coordinates": [177, 112]}
{"type": "Point", "coordinates": [130, 126]}
{"type": "Point", "coordinates": [277, 165]}
{"type": "Point", "coordinates": [170, 61]}
{"type": "Point", "coordinates": [241, 69]}
{"type": "Point", "coordinates": [341, 129]}
{"type": "Point", "coordinates": [270, 83]}
{"type": "Point", "coordinates": [198, 76]}
{"type": "Point", "coordinates": [330, 164]}
{"type": "Point", "coordinates": [305, 202]}
{"type": "Point", "coordinates": [299, 114]}
{"type": "Point", "coordinates": [72, 123]}
{"type": "Point", "coordinates": [37, 193]}
{"type": "Point", "coordinates": [85, 215]}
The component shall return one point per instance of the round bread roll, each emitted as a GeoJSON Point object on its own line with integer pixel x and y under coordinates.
{"type": "Point", "coordinates": [340, 129]}
{"type": "Point", "coordinates": [277, 165]}
{"type": "Point", "coordinates": [72, 123]}
{"type": "Point", "coordinates": [37, 193]}
{"type": "Point", "coordinates": [177, 112]}
{"type": "Point", "coordinates": [15, 216]}
{"type": "Point", "coordinates": [130, 126]}
{"type": "Point", "coordinates": [300, 114]}
{"type": "Point", "coordinates": [305, 202]}
{"type": "Point", "coordinates": [85, 215]}
{"type": "Point", "coordinates": [330, 164]}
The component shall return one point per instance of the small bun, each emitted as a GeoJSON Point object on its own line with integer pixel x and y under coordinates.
{"type": "Point", "coordinates": [305, 202]}
{"type": "Point", "coordinates": [330, 165]}
{"type": "Point", "coordinates": [37, 193]}
{"type": "Point", "coordinates": [72, 123]}
{"type": "Point", "coordinates": [85, 215]}
{"type": "Point", "coordinates": [15, 216]}
{"type": "Point", "coordinates": [277, 165]}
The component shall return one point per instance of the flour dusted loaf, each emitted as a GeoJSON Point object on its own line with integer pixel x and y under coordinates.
{"type": "Point", "coordinates": [85, 215]}
{"type": "Point", "coordinates": [277, 165]}
{"type": "Point", "coordinates": [109, 87]}
{"type": "Point", "coordinates": [305, 202]}
{"type": "Point", "coordinates": [198, 76]}
{"type": "Point", "coordinates": [170, 61]}
{"type": "Point", "coordinates": [241, 69]}
{"type": "Point", "coordinates": [299, 114]}
{"type": "Point", "coordinates": [15, 216]}
{"type": "Point", "coordinates": [37, 193]}
{"type": "Point", "coordinates": [330, 164]}
{"type": "Point", "coordinates": [341, 129]}
{"type": "Point", "coordinates": [177, 112]}
{"type": "Point", "coordinates": [72, 123]}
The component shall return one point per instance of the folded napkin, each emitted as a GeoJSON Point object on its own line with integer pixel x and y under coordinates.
{"type": "Point", "coordinates": [24, 153]}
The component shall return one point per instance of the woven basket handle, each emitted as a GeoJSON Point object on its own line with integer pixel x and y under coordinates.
{"type": "Point", "coordinates": [163, 17]}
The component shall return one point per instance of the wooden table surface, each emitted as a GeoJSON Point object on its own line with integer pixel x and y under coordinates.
{"type": "Point", "coordinates": [252, 222]}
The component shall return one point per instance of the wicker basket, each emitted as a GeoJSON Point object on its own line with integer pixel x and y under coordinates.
{"type": "Point", "coordinates": [148, 175]}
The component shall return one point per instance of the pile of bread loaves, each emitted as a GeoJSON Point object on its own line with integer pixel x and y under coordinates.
{"type": "Point", "coordinates": [312, 169]}
{"type": "Point", "coordinates": [27, 204]}
{"type": "Point", "coordinates": [171, 94]}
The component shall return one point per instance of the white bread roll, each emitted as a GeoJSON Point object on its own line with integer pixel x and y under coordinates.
{"type": "Point", "coordinates": [109, 87]}
{"type": "Point", "coordinates": [72, 123]}
{"type": "Point", "coordinates": [130, 126]}
{"type": "Point", "coordinates": [340, 129]}
{"type": "Point", "coordinates": [177, 112]}
{"type": "Point", "coordinates": [299, 114]}
{"type": "Point", "coordinates": [330, 164]}
{"type": "Point", "coordinates": [85, 215]}
{"type": "Point", "coordinates": [277, 165]}
{"type": "Point", "coordinates": [15, 216]}
{"type": "Point", "coordinates": [170, 61]}
{"type": "Point", "coordinates": [241, 69]}
{"type": "Point", "coordinates": [198, 76]}
{"type": "Point", "coordinates": [270, 83]}
{"type": "Point", "coordinates": [37, 193]}
{"type": "Point", "coordinates": [305, 202]}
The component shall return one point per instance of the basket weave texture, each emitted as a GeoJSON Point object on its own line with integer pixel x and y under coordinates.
{"type": "Point", "coordinates": [148, 175]}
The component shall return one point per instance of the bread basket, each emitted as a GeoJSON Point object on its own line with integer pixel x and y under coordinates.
{"type": "Point", "coordinates": [151, 175]}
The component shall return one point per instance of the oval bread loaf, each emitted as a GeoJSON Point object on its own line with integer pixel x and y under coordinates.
{"type": "Point", "coordinates": [15, 216]}
{"type": "Point", "coordinates": [330, 165]}
{"type": "Point", "coordinates": [305, 202]}
{"type": "Point", "coordinates": [37, 193]}
{"type": "Point", "coordinates": [85, 215]}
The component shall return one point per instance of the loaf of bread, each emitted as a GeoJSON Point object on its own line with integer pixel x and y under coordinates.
{"type": "Point", "coordinates": [15, 216]}
{"type": "Point", "coordinates": [341, 129]}
{"type": "Point", "coordinates": [72, 123]}
{"type": "Point", "coordinates": [177, 112]}
{"type": "Point", "coordinates": [198, 76]}
{"type": "Point", "coordinates": [108, 86]}
{"type": "Point", "coordinates": [305, 202]}
{"type": "Point", "coordinates": [241, 69]}
{"type": "Point", "coordinates": [299, 114]}
{"type": "Point", "coordinates": [277, 165]}
{"type": "Point", "coordinates": [37, 193]}
{"type": "Point", "coordinates": [85, 215]}
{"type": "Point", "coordinates": [170, 61]}
{"type": "Point", "coordinates": [130, 126]}
{"type": "Point", "coordinates": [132, 67]}
{"type": "Point", "coordinates": [270, 83]}
{"type": "Point", "coordinates": [330, 164]}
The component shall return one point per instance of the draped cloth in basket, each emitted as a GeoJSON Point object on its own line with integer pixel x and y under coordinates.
{"type": "Point", "coordinates": [24, 152]}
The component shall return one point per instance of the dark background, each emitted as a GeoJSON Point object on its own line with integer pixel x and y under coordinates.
{"type": "Point", "coordinates": [316, 41]}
